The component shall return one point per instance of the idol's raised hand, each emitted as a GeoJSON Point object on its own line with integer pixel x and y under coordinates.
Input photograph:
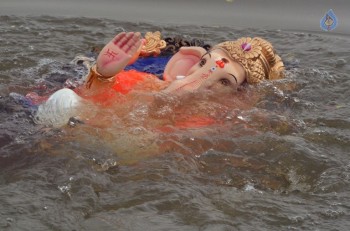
{"type": "Point", "coordinates": [116, 54]}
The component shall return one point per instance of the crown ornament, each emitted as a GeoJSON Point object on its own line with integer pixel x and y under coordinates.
{"type": "Point", "coordinates": [152, 44]}
{"type": "Point", "coordinates": [257, 57]}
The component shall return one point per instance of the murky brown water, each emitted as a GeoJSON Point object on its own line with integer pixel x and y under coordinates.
{"type": "Point", "coordinates": [278, 159]}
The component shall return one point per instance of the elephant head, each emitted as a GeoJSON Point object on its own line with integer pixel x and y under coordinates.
{"type": "Point", "coordinates": [226, 66]}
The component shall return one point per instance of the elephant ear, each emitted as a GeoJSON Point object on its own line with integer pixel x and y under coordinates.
{"type": "Point", "coordinates": [182, 61]}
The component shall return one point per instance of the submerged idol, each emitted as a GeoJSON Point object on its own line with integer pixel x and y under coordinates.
{"type": "Point", "coordinates": [223, 67]}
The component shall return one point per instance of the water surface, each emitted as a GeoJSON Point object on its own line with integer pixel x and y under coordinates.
{"type": "Point", "coordinates": [278, 164]}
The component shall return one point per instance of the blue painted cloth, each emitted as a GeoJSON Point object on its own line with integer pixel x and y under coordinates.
{"type": "Point", "coordinates": [152, 65]}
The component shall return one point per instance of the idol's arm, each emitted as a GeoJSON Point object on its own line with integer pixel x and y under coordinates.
{"type": "Point", "coordinates": [123, 49]}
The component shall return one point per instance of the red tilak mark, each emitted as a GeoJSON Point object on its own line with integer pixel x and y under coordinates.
{"type": "Point", "coordinates": [220, 63]}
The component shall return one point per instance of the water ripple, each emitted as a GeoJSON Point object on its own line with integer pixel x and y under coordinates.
{"type": "Point", "coordinates": [278, 159]}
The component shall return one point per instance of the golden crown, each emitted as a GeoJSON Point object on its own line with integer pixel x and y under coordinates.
{"type": "Point", "coordinates": [153, 44]}
{"type": "Point", "coordinates": [257, 57]}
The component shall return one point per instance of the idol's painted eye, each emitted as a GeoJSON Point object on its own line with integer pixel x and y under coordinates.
{"type": "Point", "coordinates": [202, 62]}
{"type": "Point", "coordinates": [224, 60]}
{"type": "Point", "coordinates": [225, 82]}
{"type": "Point", "coordinates": [213, 68]}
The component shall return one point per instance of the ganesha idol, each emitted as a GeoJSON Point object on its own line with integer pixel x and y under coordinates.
{"type": "Point", "coordinates": [191, 69]}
